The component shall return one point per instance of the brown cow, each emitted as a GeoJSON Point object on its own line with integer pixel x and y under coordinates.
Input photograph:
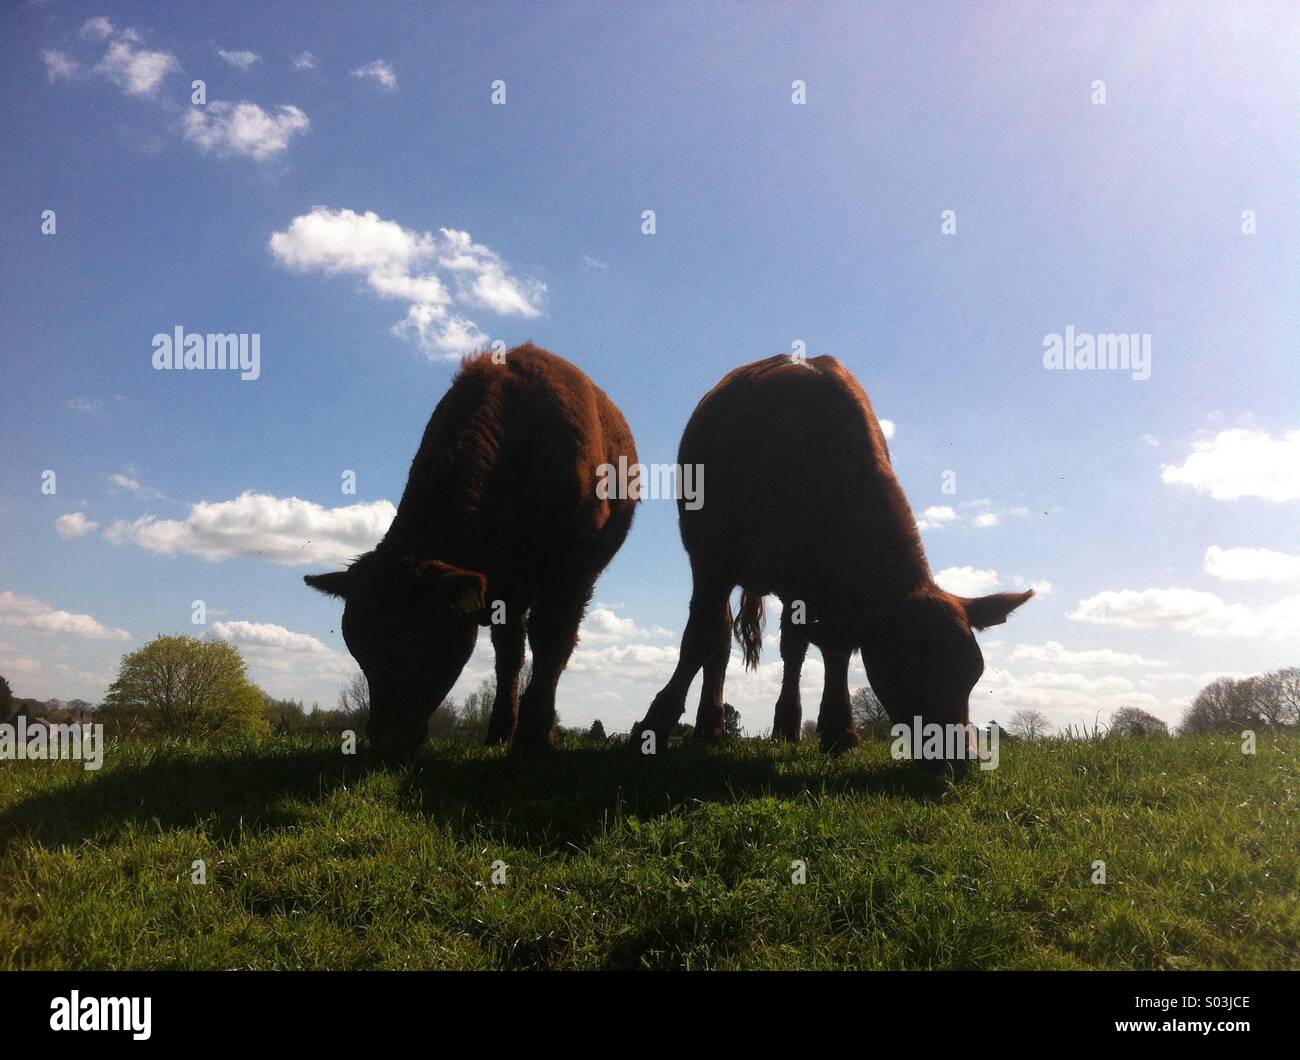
{"type": "Point", "coordinates": [802, 502]}
{"type": "Point", "coordinates": [500, 525]}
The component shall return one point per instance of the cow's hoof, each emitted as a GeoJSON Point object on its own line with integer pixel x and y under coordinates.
{"type": "Point", "coordinates": [839, 742]}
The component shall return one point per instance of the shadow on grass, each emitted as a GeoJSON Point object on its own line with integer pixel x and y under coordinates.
{"type": "Point", "coordinates": [551, 802]}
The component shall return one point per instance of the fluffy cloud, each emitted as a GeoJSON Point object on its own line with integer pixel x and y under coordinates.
{"type": "Point", "coordinates": [305, 61]}
{"type": "Point", "coordinates": [241, 60]}
{"type": "Point", "coordinates": [402, 263]}
{"type": "Point", "coordinates": [243, 129]}
{"type": "Point", "coordinates": [1251, 564]}
{"type": "Point", "coordinates": [137, 71]}
{"type": "Point", "coordinates": [967, 581]}
{"type": "Point", "coordinates": [126, 480]}
{"type": "Point", "coordinates": [282, 659]}
{"type": "Point", "coordinates": [284, 530]}
{"type": "Point", "coordinates": [24, 612]}
{"type": "Point", "coordinates": [887, 428]}
{"type": "Point", "coordinates": [1241, 463]}
{"type": "Point", "coordinates": [937, 516]}
{"type": "Point", "coordinates": [1053, 653]}
{"type": "Point", "coordinates": [1190, 611]}
{"type": "Point", "coordinates": [602, 625]}
{"type": "Point", "coordinates": [59, 66]}
{"type": "Point", "coordinates": [379, 72]}
{"type": "Point", "coordinates": [74, 524]}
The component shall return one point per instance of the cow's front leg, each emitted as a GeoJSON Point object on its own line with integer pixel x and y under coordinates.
{"type": "Point", "coordinates": [508, 643]}
{"type": "Point", "coordinates": [836, 719]}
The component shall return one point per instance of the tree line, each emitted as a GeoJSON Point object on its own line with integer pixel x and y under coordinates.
{"type": "Point", "coordinates": [191, 687]}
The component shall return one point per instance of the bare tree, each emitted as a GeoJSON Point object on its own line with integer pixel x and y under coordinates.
{"type": "Point", "coordinates": [354, 701]}
{"type": "Point", "coordinates": [1028, 724]}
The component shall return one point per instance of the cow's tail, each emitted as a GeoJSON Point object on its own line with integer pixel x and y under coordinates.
{"type": "Point", "coordinates": [748, 627]}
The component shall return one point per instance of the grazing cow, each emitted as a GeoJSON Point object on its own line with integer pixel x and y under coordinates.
{"type": "Point", "coordinates": [802, 502]}
{"type": "Point", "coordinates": [500, 525]}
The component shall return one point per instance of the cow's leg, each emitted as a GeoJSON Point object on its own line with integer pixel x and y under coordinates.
{"type": "Point", "coordinates": [708, 615]}
{"type": "Point", "coordinates": [508, 643]}
{"type": "Point", "coordinates": [710, 719]}
{"type": "Point", "coordinates": [836, 721]}
{"type": "Point", "coordinates": [552, 634]}
{"type": "Point", "coordinates": [789, 709]}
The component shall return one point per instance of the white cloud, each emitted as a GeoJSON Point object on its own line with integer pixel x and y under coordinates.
{"type": "Point", "coordinates": [80, 404]}
{"type": "Point", "coordinates": [1190, 611]}
{"type": "Point", "coordinates": [284, 530]}
{"type": "Point", "coordinates": [280, 658]}
{"type": "Point", "coordinates": [379, 72]}
{"type": "Point", "coordinates": [74, 524]}
{"type": "Point", "coordinates": [241, 60]}
{"type": "Point", "coordinates": [25, 612]}
{"type": "Point", "coordinates": [987, 519]}
{"type": "Point", "coordinates": [98, 28]}
{"type": "Point", "coordinates": [59, 66]}
{"type": "Point", "coordinates": [305, 61]}
{"type": "Point", "coordinates": [1241, 463]}
{"type": "Point", "coordinates": [887, 428]}
{"type": "Point", "coordinates": [138, 71]}
{"type": "Point", "coordinates": [400, 263]}
{"type": "Point", "coordinates": [967, 581]}
{"type": "Point", "coordinates": [603, 626]}
{"type": "Point", "coordinates": [1251, 565]}
{"type": "Point", "coordinates": [936, 516]}
{"type": "Point", "coordinates": [126, 480]}
{"type": "Point", "coordinates": [243, 129]}
{"type": "Point", "coordinates": [1056, 654]}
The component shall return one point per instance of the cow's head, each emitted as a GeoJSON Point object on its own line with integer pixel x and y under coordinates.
{"type": "Point", "coordinates": [411, 626]}
{"type": "Point", "coordinates": [922, 660]}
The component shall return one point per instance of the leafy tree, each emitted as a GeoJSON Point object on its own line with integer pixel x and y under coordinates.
{"type": "Point", "coordinates": [731, 722]}
{"type": "Point", "coordinates": [286, 715]}
{"type": "Point", "coordinates": [183, 686]}
{"type": "Point", "coordinates": [596, 734]}
{"type": "Point", "coordinates": [444, 720]}
{"type": "Point", "coordinates": [6, 701]}
{"type": "Point", "coordinates": [1132, 721]}
{"type": "Point", "coordinates": [1029, 724]}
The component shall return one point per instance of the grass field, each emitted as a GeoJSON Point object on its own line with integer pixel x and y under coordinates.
{"type": "Point", "coordinates": [317, 860]}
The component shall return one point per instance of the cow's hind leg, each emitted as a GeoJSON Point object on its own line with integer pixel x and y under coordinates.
{"type": "Point", "coordinates": [553, 634]}
{"type": "Point", "coordinates": [508, 643]}
{"type": "Point", "coordinates": [710, 719]}
{"type": "Point", "coordinates": [708, 616]}
{"type": "Point", "coordinates": [836, 720]}
{"type": "Point", "coordinates": [789, 709]}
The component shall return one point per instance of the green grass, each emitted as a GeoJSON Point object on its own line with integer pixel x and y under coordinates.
{"type": "Point", "coordinates": [317, 860]}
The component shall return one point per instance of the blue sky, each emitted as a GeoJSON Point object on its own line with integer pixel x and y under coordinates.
{"type": "Point", "coordinates": [1158, 516]}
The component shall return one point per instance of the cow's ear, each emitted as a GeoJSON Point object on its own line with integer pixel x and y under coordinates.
{"type": "Point", "coordinates": [335, 583]}
{"type": "Point", "coordinates": [985, 611]}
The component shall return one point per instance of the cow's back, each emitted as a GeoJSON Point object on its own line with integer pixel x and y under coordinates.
{"type": "Point", "coordinates": [798, 488]}
{"type": "Point", "coordinates": [505, 477]}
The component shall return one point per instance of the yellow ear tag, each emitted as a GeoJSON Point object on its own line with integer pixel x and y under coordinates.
{"type": "Point", "coordinates": [469, 601]}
